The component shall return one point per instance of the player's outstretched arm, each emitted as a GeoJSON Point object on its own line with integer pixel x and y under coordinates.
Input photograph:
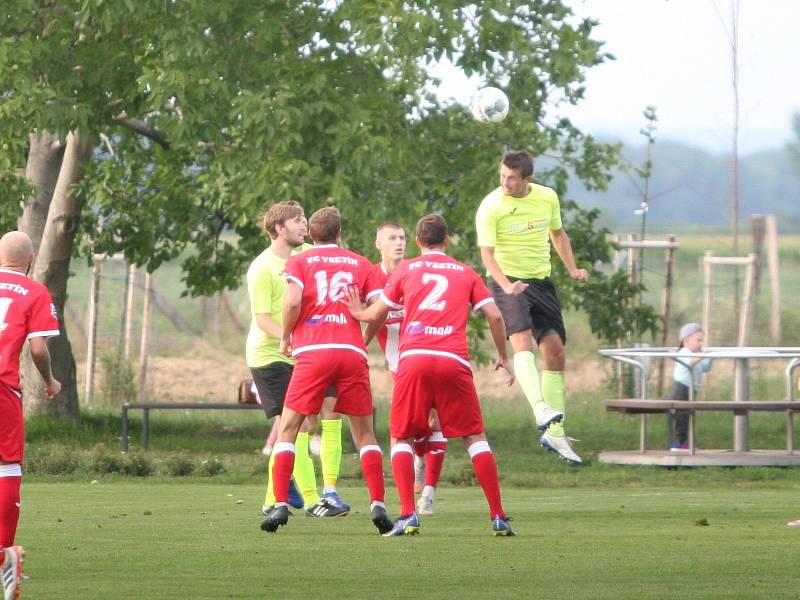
{"type": "Point", "coordinates": [563, 248]}
{"type": "Point", "coordinates": [498, 329]}
{"type": "Point", "coordinates": [496, 273]}
{"type": "Point", "coordinates": [375, 313]}
{"type": "Point", "coordinates": [292, 298]}
{"type": "Point", "coordinates": [41, 358]}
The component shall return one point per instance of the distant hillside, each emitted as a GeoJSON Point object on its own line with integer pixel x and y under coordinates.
{"type": "Point", "coordinates": [692, 186]}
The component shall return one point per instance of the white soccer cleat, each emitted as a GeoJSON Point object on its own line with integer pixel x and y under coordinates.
{"type": "Point", "coordinates": [561, 446]}
{"type": "Point", "coordinates": [546, 416]}
{"type": "Point", "coordinates": [419, 473]}
{"type": "Point", "coordinates": [425, 504]}
{"type": "Point", "coordinates": [11, 571]}
{"type": "Point", "coordinates": [794, 523]}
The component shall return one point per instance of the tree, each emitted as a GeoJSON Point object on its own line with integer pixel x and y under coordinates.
{"type": "Point", "coordinates": [154, 128]}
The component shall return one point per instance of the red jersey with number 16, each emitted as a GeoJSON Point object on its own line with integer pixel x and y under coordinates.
{"type": "Point", "coordinates": [435, 292]}
{"type": "Point", "coordinates": [26, 311]}
{"type": "Point", "coordinates": [324, 272]}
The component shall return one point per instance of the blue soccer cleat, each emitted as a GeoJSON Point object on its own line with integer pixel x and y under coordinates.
{"type": "Point", "coordinates": [335, 499]}
{"type": "Point", "coordinates": [295, 498]}
{"type": "Point", "coordinates": [407, 525]}
{"type": "Point", "coordinates": [502, 527]}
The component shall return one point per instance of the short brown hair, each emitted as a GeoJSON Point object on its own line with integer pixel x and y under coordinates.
{"type": "Point", "coordinates": [389, 225]}
{"type": "Point", "coordinates": [325, 224]}
{"type": "Point", "coordinates": [431, 230]}
{"type": "Point", "coordinates": [520, 161]}
{"type": "Point", "coordinates": [278, 214]}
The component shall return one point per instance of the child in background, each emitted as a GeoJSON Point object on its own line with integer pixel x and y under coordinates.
{"type": "Point", "coordinates": [688, 371]}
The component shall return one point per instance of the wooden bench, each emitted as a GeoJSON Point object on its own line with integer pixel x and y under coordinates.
{"type": "Point", "coordinates": [645, 406]}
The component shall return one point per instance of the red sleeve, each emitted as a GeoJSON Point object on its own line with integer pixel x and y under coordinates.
{"type": "Point", "coordinates": [293, 270]}
{"type": "Point", "coordinates": [372, 284]}
{"type": "Point", "coordinates": [43, 318]}
{"type": "Point", "coordinates": [393, 292]}
{"type": "Point", "coordinates": [480, 294]}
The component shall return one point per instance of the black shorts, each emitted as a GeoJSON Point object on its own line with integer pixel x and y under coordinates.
{"type": "Point", "coordinates": [537, 308]}
{"type": "Point", "coordinates": [272, 381]}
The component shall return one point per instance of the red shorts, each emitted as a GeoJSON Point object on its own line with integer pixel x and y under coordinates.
{"type": "Point", "coordinates": [425, 382]}
{"type": "Point", "coordinates": [317, 370]}
{"type": "Point", "coordinates": [12, 426]}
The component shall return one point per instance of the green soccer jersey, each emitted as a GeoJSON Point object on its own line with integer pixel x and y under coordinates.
{"type": "Point", "coordinates": [519, 230]}
{"type": "Point", "coordinates": [265, 286]}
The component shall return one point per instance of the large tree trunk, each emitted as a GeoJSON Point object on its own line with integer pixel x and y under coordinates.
{"type": "Point", "coordinates": [52, 269]}
{"type": "Point", "coordinates": [44, 164]}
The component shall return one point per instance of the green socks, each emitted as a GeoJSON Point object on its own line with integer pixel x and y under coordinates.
{"type": "Point", "coordinates": [330, 452]}
{"type": "Point", "coordinates": [304, 475]}
{"type": "Point", "coordinates": [528, 378]}
{"type": "Point", "coordinates": [555, 396]}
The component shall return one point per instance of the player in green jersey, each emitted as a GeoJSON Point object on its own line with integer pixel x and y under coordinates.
{"type": "Point", "coordinates": [516, 224]}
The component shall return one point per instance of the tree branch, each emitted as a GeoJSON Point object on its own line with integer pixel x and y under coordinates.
{"type": "Point", "coordinates": [143, 128]}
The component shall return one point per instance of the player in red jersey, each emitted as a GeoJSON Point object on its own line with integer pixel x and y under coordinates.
{"type": "Point", "coordinates": [435, 292]}
{"type": "Point", "coordinates": [26, 313]}
{"type": "Point", "coordinates": [429, 450]}
{"type": "Point", "coordinates": [329, 351]}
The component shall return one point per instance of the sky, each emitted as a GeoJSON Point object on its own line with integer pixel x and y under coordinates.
{"type": "Point", "coordinates": [676, 55]}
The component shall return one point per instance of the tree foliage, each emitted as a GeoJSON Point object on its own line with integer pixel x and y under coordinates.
{"type": "Point", "coordinates": [202, 113]}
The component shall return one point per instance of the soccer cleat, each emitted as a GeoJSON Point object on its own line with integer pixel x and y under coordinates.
{"type": "Point", "coordinates": [419, 473]}
{"type": "Point", "coordinates": [277, 517]}
{"type": "Point", "coordinates": [335, 499]}
{"type": "Point", "coordinates": [408, 525]}
{"type": "Point", "coordinates": [325, 508]}
{"type": "Point", "coordinates": [266, 450]}
{"type": "Point", "coordinates": [547, 416]}
{"type": "Point", "coordinates": [381, 520]}
{"type": "Point", "coordinates": [794, 523]}
{"type": "Point", "coordinates": [11, 571]}
{"type": "Point", "coordinates": [561, 446]}
{"type": "Point", "coordinates": [502, 527]}
{"type": "Point", "coordinates": [425, 505]}
{"type": "Point", "coordinates": [295, 498]}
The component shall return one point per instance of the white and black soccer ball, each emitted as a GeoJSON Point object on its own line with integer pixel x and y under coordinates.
{"type": "Point", "coordinates": [489, 105]}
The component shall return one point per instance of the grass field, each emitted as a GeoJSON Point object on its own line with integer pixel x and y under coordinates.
{"type": "Point", "coordinates": [159, 539]}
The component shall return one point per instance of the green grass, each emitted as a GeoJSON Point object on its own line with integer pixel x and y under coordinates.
{"type": "Point", "coordinates": [157, 539]}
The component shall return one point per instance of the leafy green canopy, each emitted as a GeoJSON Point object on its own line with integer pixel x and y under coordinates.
{"type": "Point", "coordinates": [245, 103]}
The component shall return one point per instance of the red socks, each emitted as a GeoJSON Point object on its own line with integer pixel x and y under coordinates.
{"type": "Point", "coordinates": [282, 470]}
{"type": "Point", "coordinates": [403, 472]}
{"type": "Point", "coordinates": [486, 471]}
{"type": "Point", "coordinates": [434, 459]}
{"type": "Point", "coordinates": [372, 469]}
{"type": "Point", "coordinates": [9, 507]}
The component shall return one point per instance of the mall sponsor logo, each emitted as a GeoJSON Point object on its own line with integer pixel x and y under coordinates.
{"type": "Point", "coordinates": [416, 328]}
{"type": "Point", "coordinates": [314, 320]}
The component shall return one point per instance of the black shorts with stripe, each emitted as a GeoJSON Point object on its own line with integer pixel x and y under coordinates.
{"type": "Point", "coordinates": [272, 381]}
{"type": "Point", "coordinates": [537, 308]}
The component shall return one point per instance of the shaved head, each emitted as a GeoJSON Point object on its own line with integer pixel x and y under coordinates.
{"type": "Point", "coordinates": [16, 251]}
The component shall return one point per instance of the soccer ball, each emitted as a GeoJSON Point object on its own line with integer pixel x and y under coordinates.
{"type": "Point", "coordinates": [489, 105]}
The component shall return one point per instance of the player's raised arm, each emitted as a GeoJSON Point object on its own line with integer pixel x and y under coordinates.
{"type": "Point", "coordinates": [375, 313]}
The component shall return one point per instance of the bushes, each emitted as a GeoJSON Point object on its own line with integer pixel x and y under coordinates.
{"type": "Point", "coordinates": [56, 462]}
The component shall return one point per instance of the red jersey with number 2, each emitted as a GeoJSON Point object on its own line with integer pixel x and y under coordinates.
{"type": "Point", "coordinates": [435, 291]}
{"type": "Point", "coordinates": [26, 311]}
{"type": "Point", "coordinates": [324, 272]}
